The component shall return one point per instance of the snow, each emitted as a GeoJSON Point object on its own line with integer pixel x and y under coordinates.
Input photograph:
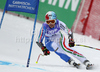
{"type": "Point", "coordinates": [15, 38]}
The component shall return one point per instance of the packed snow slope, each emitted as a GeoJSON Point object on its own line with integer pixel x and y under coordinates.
{"type": "Point", "coordinates": [15, 39]}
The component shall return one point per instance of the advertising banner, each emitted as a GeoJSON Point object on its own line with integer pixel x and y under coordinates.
{"type": "Point", "coordinates": [28, 6]}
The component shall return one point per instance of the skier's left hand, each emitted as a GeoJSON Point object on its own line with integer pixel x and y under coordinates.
{"type": "Point", "coordinates": [71, 43]}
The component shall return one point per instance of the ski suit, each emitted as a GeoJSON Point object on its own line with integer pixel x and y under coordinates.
{"type": "Point", "coordinates": [55, 41]}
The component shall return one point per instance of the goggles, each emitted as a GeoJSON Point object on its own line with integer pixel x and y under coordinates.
{"type": "Point", "coordinates": [51, 21]}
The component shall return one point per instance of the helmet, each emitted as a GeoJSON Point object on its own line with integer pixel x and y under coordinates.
{"type": "Point", "coordinates": [50, 16]}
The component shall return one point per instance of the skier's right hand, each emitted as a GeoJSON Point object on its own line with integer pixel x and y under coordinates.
{"type": "Point", "coordinates": [71, 43]}
{"type": "Point", "coordinates": [45, 51]}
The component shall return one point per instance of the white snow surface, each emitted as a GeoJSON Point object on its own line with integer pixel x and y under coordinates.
{"type": "Point", "coordinates": [15, 40]}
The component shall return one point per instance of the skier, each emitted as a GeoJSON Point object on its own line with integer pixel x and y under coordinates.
{"type": "Point", "coordinates": [56, 42]}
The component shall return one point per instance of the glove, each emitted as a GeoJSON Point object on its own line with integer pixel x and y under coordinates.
{"type": "Point", "coordinates": [71, 43]}
{"type": "Point", "coordinates": [45, 50]}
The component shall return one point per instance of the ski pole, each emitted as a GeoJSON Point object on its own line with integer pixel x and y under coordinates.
{"type": "Point", "coordinates": [87, 46]}
{"type": "Point", "coordinates": [39, 58]}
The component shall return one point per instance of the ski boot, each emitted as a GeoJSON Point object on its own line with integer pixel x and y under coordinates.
{"type": "Point", "coordinates": [88, 64]}
{"type": "Point", "coordinates": [72, 62]}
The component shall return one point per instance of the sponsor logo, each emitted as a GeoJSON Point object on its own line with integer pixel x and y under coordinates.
{"type": "Point", "coordinates": [21, 3]}
{"type": "Point", "coordinates": [64, 3]}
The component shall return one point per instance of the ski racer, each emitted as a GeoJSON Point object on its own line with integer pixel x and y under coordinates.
{"type": "Point", "coordinates": [56, 42]}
